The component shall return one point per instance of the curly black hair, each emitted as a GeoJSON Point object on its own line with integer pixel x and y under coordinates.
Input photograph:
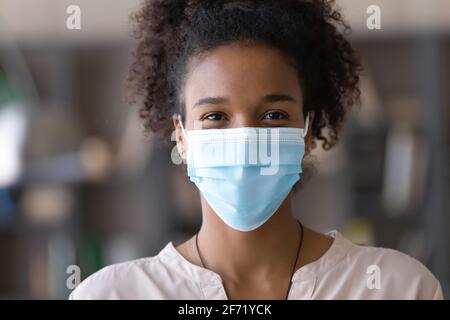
{"type": "Point", "coordinates": [310, 32]}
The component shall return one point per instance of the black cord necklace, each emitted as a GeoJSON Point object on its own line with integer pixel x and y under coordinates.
{"type": "Point", "coordinates": [300, 244]}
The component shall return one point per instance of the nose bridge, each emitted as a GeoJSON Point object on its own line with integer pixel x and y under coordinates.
{"type": "Point", "coordinates": [245, 117]}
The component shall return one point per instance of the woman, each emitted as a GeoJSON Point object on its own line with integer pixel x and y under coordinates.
{"type": "Point", "coordinates": [231, 76]}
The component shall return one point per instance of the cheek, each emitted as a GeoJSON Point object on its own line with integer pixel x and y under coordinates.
{"type": "Point", "coordinates": [193, 120]}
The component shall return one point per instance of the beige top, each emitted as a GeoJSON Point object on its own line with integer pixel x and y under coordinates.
{"type": "Point", "coordinates": [345, 271]}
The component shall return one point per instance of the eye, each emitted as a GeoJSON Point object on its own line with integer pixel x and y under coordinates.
{"type": "Point", "coordinates": [214, 117]}
{"type": "Point", "coordinates": [275, 115]}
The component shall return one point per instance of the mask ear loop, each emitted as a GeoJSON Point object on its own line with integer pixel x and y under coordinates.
{"type": "Point", "coordinates": [182, 128]}
{"type": "Point", "coordinates": [305, 130]}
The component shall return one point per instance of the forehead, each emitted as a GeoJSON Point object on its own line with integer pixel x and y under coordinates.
{"type": "Point", "coordinates": [242, 70]}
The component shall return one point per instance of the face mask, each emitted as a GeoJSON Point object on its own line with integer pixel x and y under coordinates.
{"type": "Point", "coordinates": [245, 173]}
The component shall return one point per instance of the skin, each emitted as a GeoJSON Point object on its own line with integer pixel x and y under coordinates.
{"type": "Point", "coordinates": [255, 264]}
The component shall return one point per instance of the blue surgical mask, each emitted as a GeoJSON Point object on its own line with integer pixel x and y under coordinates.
{"type": "Point", "coordinates": [245, 174]}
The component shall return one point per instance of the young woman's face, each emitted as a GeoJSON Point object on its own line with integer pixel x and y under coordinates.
{"type": "Point", "coordinates": [241, 85]}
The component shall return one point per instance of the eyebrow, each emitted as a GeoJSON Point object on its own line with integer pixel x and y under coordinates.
{"type": "Point", "coordinates": [210, 100]}
{"type": "Point", "coordinates": [277, 97]}
{"type": "Point", "coordinates": [273, 97]}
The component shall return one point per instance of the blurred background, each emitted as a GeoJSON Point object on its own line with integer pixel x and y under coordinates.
{"type": "Point", "coordinates": [80, 184]}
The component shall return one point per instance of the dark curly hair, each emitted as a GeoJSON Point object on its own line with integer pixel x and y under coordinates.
{"type": "Point", "coordinates": [311, 32]}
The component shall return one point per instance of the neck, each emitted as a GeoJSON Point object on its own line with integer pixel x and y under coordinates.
{"type": "Point", "coordinates": [243, 256]}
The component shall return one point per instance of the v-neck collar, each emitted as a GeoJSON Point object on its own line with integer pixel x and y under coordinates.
{"type": "Point", "coordinates": [303, 280]}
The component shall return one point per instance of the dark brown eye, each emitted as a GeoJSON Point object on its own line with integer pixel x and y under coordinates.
{"type": "Point", "coordinates": [275, 115]}
{"type": "Point", "coordinates": [214, 117]}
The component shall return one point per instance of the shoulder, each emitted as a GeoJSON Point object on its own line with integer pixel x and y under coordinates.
{"type": "Point", "coordinates": [400, 275]}
{"type": "Point", "coordinates": [121, 281]}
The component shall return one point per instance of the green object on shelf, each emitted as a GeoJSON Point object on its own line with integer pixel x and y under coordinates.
{"type": "Point", "coordinates": [7, 92]}
{"type": "Point", "coordinates": [90, 255]}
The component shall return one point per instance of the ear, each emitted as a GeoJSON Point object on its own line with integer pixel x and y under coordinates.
{"type": "Point", "coordinates": [309, 135]}
{"type": "Point", "coordinates": [179, 137]}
